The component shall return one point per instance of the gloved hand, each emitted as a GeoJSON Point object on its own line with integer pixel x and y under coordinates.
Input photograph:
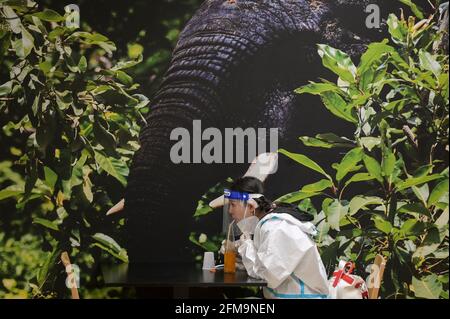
{"type": "Point", "coordinates": [237, 243]}
{"type": "Point", "coordinates": [245, 236]}
{"type": "Point", "coordinates": [222, 248]}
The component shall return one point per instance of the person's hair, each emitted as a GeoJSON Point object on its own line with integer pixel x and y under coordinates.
{"type": "Point", "coordinates": [253, 185]}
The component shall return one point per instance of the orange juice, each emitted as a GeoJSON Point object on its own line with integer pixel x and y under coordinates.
{"type": "Point", "coordinates": [229, 262]}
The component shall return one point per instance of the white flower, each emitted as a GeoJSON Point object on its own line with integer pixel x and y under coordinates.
{"type": "Point", "coordinates": [202, 238]}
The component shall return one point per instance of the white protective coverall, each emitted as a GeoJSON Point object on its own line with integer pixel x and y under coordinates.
{"type": "Point", "coordinates": [283, 254]}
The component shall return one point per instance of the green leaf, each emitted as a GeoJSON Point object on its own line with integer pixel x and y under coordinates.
{"type": "Point", "coordinates": [49, 15]}
{"type": "Point", "coordinates": [422, 193]}
{"type": "Point", "coordinates": [334, 210]}
{"type": "Point", "coordinates": [45, 132]}
{"type": "Point", "coordinates": [412, 227]}
{"type": "Point", "coordinates": [93, 39]}
{"type": "Point", "coordinates": [202, 209]}
{"type": "Point", "coordinates": [45, 67]}
{"type": "Point", "coordinates": [107, 241]}
{"type": "Point", "coordinates": [428, 287]}
{"type": "Point", "coordinates": [442, 221]}
{"type": "Point", "coordinates": [123, 77]}
{"type": "Point", "coordinates": [5, 88]}
{"type": "Point", "coordinates": [429, 63]}
{"type": "Point", "coordinates": [44, 269]}
{"type": "Point", "coordinates": [350, 160]}
{"type": "Point", "coordinates": [103, 136]}
{"type": "Point", "coordinates": [208, 245]}
{"type": "Point", "coordinates": [142, 101]}
{"type": "Point", "coordinates": [135, 50]}
{"type": "Point", "coordinates": [305, 161]}
{"type": "Point", "coordinates": [396, 105]}
{"type": "Point", "coordinates": [14, 22]}
{"type": "Point", "coordinates": [307, 206]}
{"type": "Point", "coordinates": [24, 45]}
{"type": "Point", "coordinates": [388, 162]}
{"type": "Point", "coordinates": [56, 33]}
{"type": "Point", "coordinates": [382, 224]}
{"type": "Point", "coordinates": [46, 223]}
{"type": "Point", "coordinates": [64, 99]}
{"type": "Point", "coordinates": [338, 62]}
{"type": "Point", "coordinates": [417, 181]}
{"type": "Point", "coordinates": [87, 188]}
{"type": "Point", "coordinates": [317, 187]}
{"type": "Point", "coordinates": [50, 177]}
{"type": "Point", "coordinates": [397, 29]}
{"type": "Point", "coordinates": [373, 167]}
{"type": "Point", "coordinates": [295, 197]}
{"type": "Point", "coordinates": [373, 53]}
{"type": "Point", "coordinates": [108, 244]}
{"type": "Point", "coordinates": [370, 142]}
{"type": "Point", "coordinates": [423, 170]}
{"type": "Point", "coordinates": [36, 104]}
{"type": "Point", "coordinates": [430, 244]}
{"type": "Point", "coordinates": [360, 202]}
{"type": "Point", "coordinates": [315, 142]}
{"type": "Point", "coordinates": [317, 88]}
{"type": "Point", "coordinates": [116, 168]}
{"type": "Point", "coordinates": [333, 138]}
{"type": "Point", "coordinates": [8, 193]}
{"type": "Point", "coordinates": [414, 209]}
{"type": "Point", "coordinates": [439, 190]}
{"type": "Point", "coordinates": [328, 140]}
{"type": "Point", "coordinates": [9, 284]}
{"type": "Point", "coordinates": [82, 64]}
{"type": "Point", "coordinates": [336, 105]}
{"type": "Point", "coordinates": [121, 65]}
{"type": "Point", "coordinates": [414, 8]}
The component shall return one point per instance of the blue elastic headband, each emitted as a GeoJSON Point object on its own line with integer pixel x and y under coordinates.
{"type": "Point", "coordinates": [235, 195]}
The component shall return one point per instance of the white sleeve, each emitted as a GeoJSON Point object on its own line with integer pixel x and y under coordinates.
{"type": "Point", "coordinates": [282, 248]}
{"type": "Point", "coordinates": [247, 251]}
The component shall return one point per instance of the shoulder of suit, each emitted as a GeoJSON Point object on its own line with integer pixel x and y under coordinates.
{"type": "Point", "coordinates": [271, 220]}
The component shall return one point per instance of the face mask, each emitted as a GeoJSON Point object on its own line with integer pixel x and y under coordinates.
{"type": "Point", "coordinates": [248, 225]}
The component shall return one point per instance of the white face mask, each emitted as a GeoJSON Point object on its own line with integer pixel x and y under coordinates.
{"type": "Point", "coordinates": [248, 225]}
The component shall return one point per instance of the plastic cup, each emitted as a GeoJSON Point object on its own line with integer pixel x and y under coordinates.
{"type": "Point", "coordinates": [208, 260]}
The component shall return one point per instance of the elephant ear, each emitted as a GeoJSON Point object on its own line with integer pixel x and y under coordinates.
{"type": "Point", "coordinates": [261, 167]}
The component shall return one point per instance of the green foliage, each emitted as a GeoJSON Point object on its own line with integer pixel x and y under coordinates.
{"type": "Point", "coordinates": [71, 117]}
{"type": "Point", "coordinates": [18, 265]}
{"type": "Point", "coordinates": [202, 241]}
{"type": "Point", "coordinates": [203, 204]}
{"type": "Point", "coordinates": [397, 97]}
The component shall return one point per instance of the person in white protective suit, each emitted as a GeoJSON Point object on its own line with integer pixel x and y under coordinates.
{"type": "Point", "coordinates": [282, 250]}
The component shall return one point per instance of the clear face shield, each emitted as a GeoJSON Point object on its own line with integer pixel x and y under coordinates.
{"type": "Point", "coordinates": [239, 213]}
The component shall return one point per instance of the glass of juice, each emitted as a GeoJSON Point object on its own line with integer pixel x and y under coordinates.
{"type": "Point", "coordinates": [229, 258]}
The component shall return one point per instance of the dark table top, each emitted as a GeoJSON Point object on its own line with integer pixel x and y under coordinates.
{"type": "Point", "coordinates": [173, 275]}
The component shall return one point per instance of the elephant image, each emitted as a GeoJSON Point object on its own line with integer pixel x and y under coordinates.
{"type": "Point", "coordinates": [236, 65]}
